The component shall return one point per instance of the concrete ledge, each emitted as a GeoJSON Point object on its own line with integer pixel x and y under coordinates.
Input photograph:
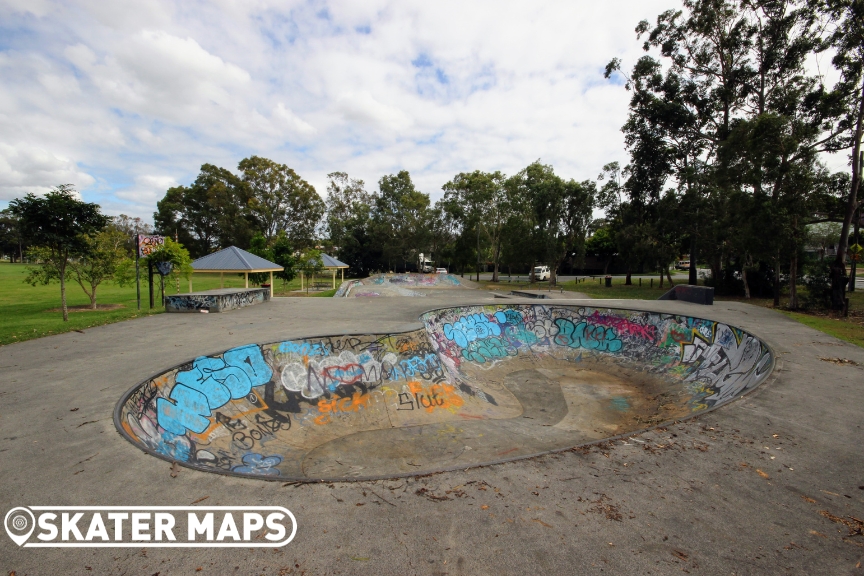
{"type": "Point", "coordinates": [527, 294]}
{"type": "Point", "coordinates": [688, 293]}
{"type": "Point", "coordinates": [220, 300]}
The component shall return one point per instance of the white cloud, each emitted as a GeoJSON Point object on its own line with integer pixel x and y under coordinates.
{"type": "Point", "coordinates": [364, 109]}
{"type": "Point", "coordinates": [25, 169]}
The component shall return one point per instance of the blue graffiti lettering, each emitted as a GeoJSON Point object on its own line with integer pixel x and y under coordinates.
{"type": "Point", "coordinates": [585, 335]}
{"type": "Point", "coordinates": [211, 383]}
{"type": "Point", "coordinates": [470, 328]}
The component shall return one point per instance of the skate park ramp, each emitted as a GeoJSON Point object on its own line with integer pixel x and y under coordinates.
{"type": "Point", "coordinates": [474, 385]}
{"type": "Point", "coordinates": [407, 284]}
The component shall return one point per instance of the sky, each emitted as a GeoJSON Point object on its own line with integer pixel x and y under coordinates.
{"type": "Point", "coordinates": [125, 100]}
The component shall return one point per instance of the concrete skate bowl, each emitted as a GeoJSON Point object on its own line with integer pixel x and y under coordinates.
{"type": "Point", "coordinates": [408, 284]}
{"type": "Point", "coordinates": [475, 385]}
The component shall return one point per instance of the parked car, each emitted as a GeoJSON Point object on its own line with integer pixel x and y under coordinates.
{"type": "Point", "coordinates": [541, 273]}
{"type": "Point", "coordinates": [682, 265]}
{"type": "Point", "coordinates": [440, 270]}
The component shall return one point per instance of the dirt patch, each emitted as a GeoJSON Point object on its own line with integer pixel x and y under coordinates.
{"type": "Point", "coordinates": [87, 308]}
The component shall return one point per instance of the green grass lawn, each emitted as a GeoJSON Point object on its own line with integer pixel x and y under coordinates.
{"type": "Point", "coordinates": [28, 312]}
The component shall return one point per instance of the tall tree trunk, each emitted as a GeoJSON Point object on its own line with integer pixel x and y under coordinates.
{"type": "Point", "coordinates": [93, 299]}
{"type": "Point", "coordinates": [63, 289]}
{"type": "Point", "coordinates": [744, 268]}
{"type": "Point", "coordinates": [852, 203]}
{"type": "Point", "coordinates": [793, 283]}
{"type": "Point", "coordinates": [661, 278]}
{"type": "Point", "coordinates": [497, 256]}
{"type": "Point", "coordinates": [777, 281]}
{"type": "Point", "coordinates": [693, 280]}
{"type": "Point", "coordinates": [669, 277]}
{"type": "Point", "coordinates": [716, 273]}
{"type": "Point", "coordinates": [629, 280]}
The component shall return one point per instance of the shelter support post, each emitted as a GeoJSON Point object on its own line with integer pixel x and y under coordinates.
{"type": "Point", "coordinates": [334, 278]}
{"type": "Point", "coordinates": [271, 284]}
{"type": "Point", "coordinates": [246, 276]}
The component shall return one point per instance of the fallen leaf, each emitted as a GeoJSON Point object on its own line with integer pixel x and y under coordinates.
{"type": "Point", "coordinates": [761, 473]}
{"type": "Point", "coordinates": [840, 361]}
{"type": "Point", "coordinates": [679, 554]}
{"type": "Point", "coordinates": [541, 522]}
{"type": "Point", "coordinates": [855, 525]}
{"type": "Point", "coordinates": [484, 507]}
{"type": "Point", "coordinates": [810, 500]}
{"type": "Point", "coordinates": [200, 500]}
{"type": "Point", "coordinates": [175, 470]}
{"type": "Point", "coordinates": [815, 533]}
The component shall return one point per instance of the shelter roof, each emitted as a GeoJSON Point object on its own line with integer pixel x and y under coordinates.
{"type": "Point", "coordinates": [233, 259]}
{"type": "Point", "coordinates": [331, 262]}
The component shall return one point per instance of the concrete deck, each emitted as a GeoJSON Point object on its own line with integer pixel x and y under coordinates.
{"type": "Point", "coordinates": [750, 488]}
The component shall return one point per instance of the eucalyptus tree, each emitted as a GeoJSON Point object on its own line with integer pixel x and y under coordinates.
{"type": "Point", "coordinates": [345, 198]}
{"type": "Point", "coordinates": [847, 39]}
{"type": "Point", "coordinates": [281, 200]}
{"type": "Point", "coordinates": [209, 214]}
{"type": "Point", "coordinates": [477, 203]}
{"type": "Point", "coordinates": [557, 211]}
{"type": "Point", "coordinates": [731, 103]}
{"type": "Point", "coordinates": [401, 219]}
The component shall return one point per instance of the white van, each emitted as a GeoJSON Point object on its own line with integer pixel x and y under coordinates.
{"type": "Point", "coordinates": [682, 265]}
{"type": "Point", "coordinates": [541, 273]}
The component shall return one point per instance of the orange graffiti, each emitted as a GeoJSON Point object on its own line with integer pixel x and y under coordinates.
{"type": "Point", "coordinates": [334, 405]}
{"type": "Point", "coordinates": [436, 396]}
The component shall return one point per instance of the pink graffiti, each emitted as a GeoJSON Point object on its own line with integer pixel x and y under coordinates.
{"type": "Point", "coordinates": [624, 326]}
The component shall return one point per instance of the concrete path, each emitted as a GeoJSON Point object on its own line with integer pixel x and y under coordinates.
{"type": "Point", "coordinates": [769, 484]}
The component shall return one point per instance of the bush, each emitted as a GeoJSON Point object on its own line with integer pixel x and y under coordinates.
{"type": "Point", "coordinates": [817, 283]}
